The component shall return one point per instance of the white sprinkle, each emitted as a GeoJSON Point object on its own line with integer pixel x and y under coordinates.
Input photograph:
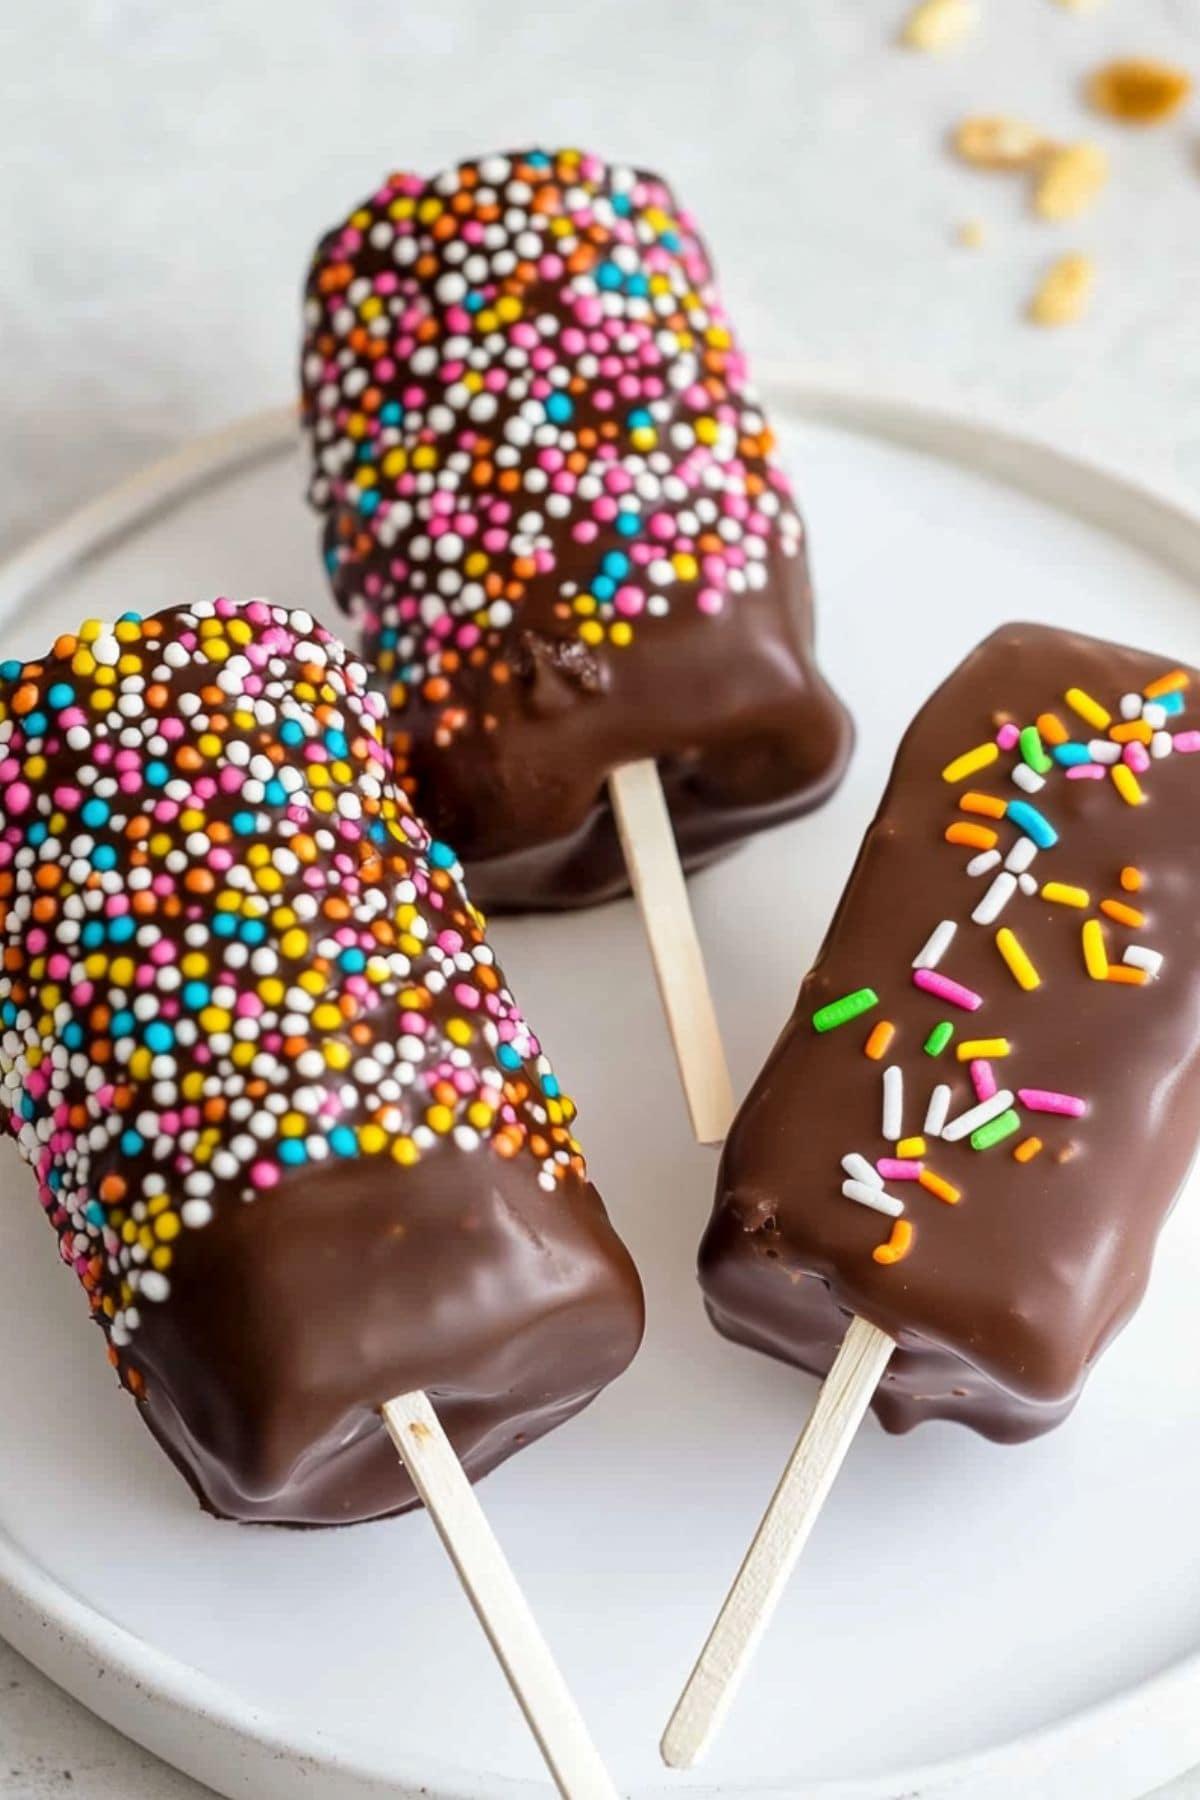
{"type": "Point", "coordinates": [876, 1198]}
{"type": "Point", "coordinates": [1154, 715]}
{"type": "Point", "coordinates": [1102, 750]}
{"type": "Point", "coordinates": [939, 1107]}
{"type": "Point", "coordinates": [893, 1102]}
{"type": "Point", "coordinates": [936, 945]}
{"type": "Point", "coordinates": [1028, 778]}
{"type": "Point", "coordinates": [976, 1116]}
{"type": "Point", "coordinates": [1027, 884]}
{"type": "Point", "coordinates": [153, 1286]}
{"type": "Point", "coordinates": [1021, 855]}
{"type": "Point", "coordinates": [996, 899]}
{"type": "Point", "coordinates": [859, 1169]}
{"type": "Point", "coordinates": [1161, 744]}
{"type": "Point", "coordinates": [1131, 706]}
{"type": "Point", "coordinates": [1140, 958]}
{"type": "Point", "coordinates": [987, 859]}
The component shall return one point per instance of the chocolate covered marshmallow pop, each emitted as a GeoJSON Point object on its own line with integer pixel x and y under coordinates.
{"type": "Point", "coordinates": [552, 502]}
{"type": "Point", "coordinates": [970, 1133]}
{"type": "Point", "coordinates": [296, 1138]}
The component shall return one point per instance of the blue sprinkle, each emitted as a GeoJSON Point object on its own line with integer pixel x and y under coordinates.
{"type": "Point", "coordinates": [608, 276]}
{"type": "Point", "coordinates": [38, 832]}
{"type": "Point", "coordinates": [159, 1036]}
{"type": "Point", "coordinates": [628, 524]}
{"type": "Point", "coordinates": [95, 812]}
{"type": "Point", "coordinates": [353, 961]}
{"type": "Point", "coordinates": [474, 303]}
{"type": "Point", "coordinates": [559, 408]}
{"type": "Point", "coordinates": [507, 1057]}
{"type": "Point", "coordinates": [104, 856]}
{"type": "Point", "coordinates": [335, 743]}
{"type": "Point", "coordinates": [621, 203]}
{"type": "Point", "coordinates": [122, 929]}
{"type": "Point", "coordinates": [368, 501]}
{"type": "Point", "coordinates": [1171, 703]}
{"type": "Point", "coordinates": [1070, 754]}
{"type": "Point", "coordinates": [122, 1023]}
{"type": "Point", "coordinates": [157, 774]}
{"type": "Point", "coordinates": [8, 1012]}
{"type": "Point", "coordinates": [1028, 819]}
{"type": "Point", "coordinates": [275, 793]}
{"type": "Point", "coordinates": [35, 724]}
{"type": "Point", "coordinates": [391, 414]}
{"type": "Point", "coordinates": [93, 1212]}
{"type": "Point", "coordinates": [670, 240]}
{"type": "Point", "coordinates": [550, 1087]}
{"type": "Point", "coordinates": [441, 855]}
{"type": "Point", "coordinates": [342, 1141]}
{"type": "Point", "coordinates": [60, 695]}
{"type": "Point", "coordinates": [10, 668]}
{"type": "Point", "coordinates": [73, 1035]}
{"type": "Point", "coordinates": [92, 934]}
{"type": "Point", "coordinates": [603, 588]}
{"type": "Point", "coordinates": [637, 284]}
{"type": "Point", "coordinates": [130, 618]}
{"type": "Point", "coordinates": [253, 931]}
{"type": "Point", "coordinates": [291, 1150]}
{"type": "Point", "coordinates": [224, 925]}
{"type": "Point", "coordinates": [195, 995]}
{"type": "Point", "coordinates": [131, 1143]}
{"type": "Point", "coordinates": [616, 563]}
{"type": "Point", "coordinates": [243, 823]}
{"type": "Point", "coordinates": [537, 159]}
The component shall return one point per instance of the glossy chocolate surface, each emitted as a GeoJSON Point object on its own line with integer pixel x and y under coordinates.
{"type": "Point", "coordinates": [520, 669]}
{"type": "Point", "coordinates": [1003, 1301]}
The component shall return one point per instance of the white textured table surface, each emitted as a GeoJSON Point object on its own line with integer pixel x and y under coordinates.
{"type": "Point", "coordinates": [166, 169]}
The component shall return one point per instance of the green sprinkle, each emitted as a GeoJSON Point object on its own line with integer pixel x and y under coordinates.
{"type": "Point", "coordinates": [938, 1038]}
{"type": "Point", "coordinates": [1034, 751]}
{"type": "Point", "coordinates": [840, 1012]}
{"type": "Point", "coordinates": [996, 1130]}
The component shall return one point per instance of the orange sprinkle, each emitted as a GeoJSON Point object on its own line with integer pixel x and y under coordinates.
{"type": "Point", "coordinates": [1124, 915]}
{"type": "Point", "coordinates": [978, 837]}
{"type": "Point", "coordinates": [990, 805]}
{"type": "Point", "coordinates": [1134, 731]}
{"type": "Point", "coordinates": [1167, 684]}
{"type": "Point", "coordinates": [943, 1190]}
{"type": "Point", "coordinates": [1131, 878]}
{"type": "Point", "coordinates": [881, 1036]}
{"type": "Point", "coordinates": [897, 1246]}
{"type": "Point", "coordinates": [1125, 975]}
{"type": "Point", "coordinates": [1052, 729]}
{"type": "Point", "coordinates": [1027, 1149]}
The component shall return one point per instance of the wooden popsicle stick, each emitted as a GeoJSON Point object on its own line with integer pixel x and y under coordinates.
{"type": "Point", "coordinates": [500, 1606]}
{"type": "Point", "coordinates": [656, 874]}
{"type": "Point", "coordinates": [791, 1515]}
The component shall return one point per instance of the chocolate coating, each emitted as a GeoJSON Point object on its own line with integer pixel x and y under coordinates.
{"type": "Point", "coordinates": [1005, 1300]}
{"type": "Point", "coordinates": [620, 434]}
{"type": "Point", "coordinates": [294, 1135]}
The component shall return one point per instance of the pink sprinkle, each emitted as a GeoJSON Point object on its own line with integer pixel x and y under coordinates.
{"type": "Point", "coordinates": [952, 992]}
{"type": "Point", "coordinates": [893, 1168]}
{"type": "Point", "coordinates": [1138, 757]}
{"type": "Point", "coordinates": [1046, 1101]}
{"type": "Point", "coordinates": [1187, 742]}
{"type": "Point", "coordinates": [984, 1079]}
{"type": "Point", "coordinates": [1086, 772]}
{"type": "Point", "coordinates": [1008, 737]}
{"type": "Point", "coordinates": [263, 1175]}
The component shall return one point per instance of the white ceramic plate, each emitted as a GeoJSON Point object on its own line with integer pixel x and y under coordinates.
{"type": "Point", "coordinates": [1032, 1615]}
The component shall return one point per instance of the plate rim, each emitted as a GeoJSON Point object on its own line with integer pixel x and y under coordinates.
{"type": "Point", "coordinates": [188, 1718]}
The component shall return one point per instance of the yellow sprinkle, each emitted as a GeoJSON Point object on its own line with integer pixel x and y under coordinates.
{"type": "Point", "coordinates": [1124, 915]}
{"type": "Point", "coordinates": [881, 1036]}
{"type": "Point", "coordinates": [973, 1048]}
{"type": "Point", "coordinates": [1027, 1149]}
{"type": "Point", "coordinates": [910, 1147]}
{"type": "Point", "coordinates": [1167, 684]}
{"type": "Point", "coordinates": [1088, 709]}
{"type": "Point", "coordinates": [970, 762]}
{"type": "Point", "coordinates": [1094, 953]}
{"type": "Point", "coordinates": [1127, 784]}
{"type": "Point", "coordinates": [1065, 895]}
{"type": "Point", "coordinates": [404, 1150]}
{"type": "Point", "coordinates": [1023, 971]}
{"type": "Point", "coordinates": [943, 1190]}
